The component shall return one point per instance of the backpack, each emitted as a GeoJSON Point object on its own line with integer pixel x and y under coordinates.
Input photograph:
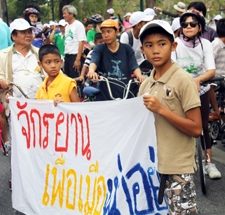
{"type": "Point", "coordinates": [130, 38]}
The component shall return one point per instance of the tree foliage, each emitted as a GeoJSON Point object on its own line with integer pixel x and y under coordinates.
{"type": "Point", "coordinates": [86, 8]}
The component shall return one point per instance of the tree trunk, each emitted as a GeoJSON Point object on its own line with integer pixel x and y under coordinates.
{"type": "Point", "coordinates": [109, 4]}
{"type": "Point", "coordinates": [3, 10]}
{"type": "Point", "coordinates": [150, 3]}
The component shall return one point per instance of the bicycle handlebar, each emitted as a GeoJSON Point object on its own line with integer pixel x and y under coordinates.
{"type": "Point", "coordinates": [215, 79]}
{"type": "Point", "coordinates": [11, 85]}
{"type": "Point", "coordinates": [125, 86]}
{"type": "Point", "coordinates": [91, 91]}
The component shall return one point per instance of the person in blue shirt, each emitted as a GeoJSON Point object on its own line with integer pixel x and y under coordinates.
{"type": "Point", "coordinates": [4, 35]}
{"type": "Point", "coordinates": [113, 59]}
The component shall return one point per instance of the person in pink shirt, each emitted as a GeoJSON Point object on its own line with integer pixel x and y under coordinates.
{"type": "Point", "coordinates": [126, 23]}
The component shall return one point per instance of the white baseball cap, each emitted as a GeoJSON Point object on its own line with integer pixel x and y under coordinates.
{"type": "Point", "coordinates": [19, 24]}
{"type": "Point", "coordinates": [51, 23]}
{"type": "Point", "coordinates": [149, 12]}
{"type": "Point", "coordinates": [139, 16]}
{"type": "Point", "coordinates": [110, 11]}
{"type": "Point", "coordinates": [62, 22]}
{"type": "Point", "coordinates": [157, 23]}
{"type": "Point", "coordinates": [176, 24]}
{"type": "Point", "coordinates": [217, 17]}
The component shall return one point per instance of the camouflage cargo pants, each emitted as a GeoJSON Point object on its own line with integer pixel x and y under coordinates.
{"type": "Point", "coordinates": [180, 194]}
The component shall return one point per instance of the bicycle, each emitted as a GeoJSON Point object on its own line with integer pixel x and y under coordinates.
{"type": "Point", "coordinates": [216, 130]}
{"type": "Point", "coordinates": [90, 92]}
{"type": "Point", "coordinates": [217, 127]}
{"type": "Point", "coordinates": [4, 110]}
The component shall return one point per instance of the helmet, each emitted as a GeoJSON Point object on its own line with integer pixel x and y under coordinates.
{"type": "Point", "coordinates": [197, 15]}
{"type": "Point", "coordinates": [110, 23]}
{"type": "Point", "coordinates": [97, 18]}
{"type": "Point", "coordinates": [30, 10]}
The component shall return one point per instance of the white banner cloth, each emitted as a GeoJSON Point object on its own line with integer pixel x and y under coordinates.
{"type": "Point", "coordinates": [84, 158]}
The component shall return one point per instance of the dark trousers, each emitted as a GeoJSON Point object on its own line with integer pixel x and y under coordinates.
{"type": "Point", "coordinates": [205, 118]}
{"type": "Point", "coordinates": [69, 70]}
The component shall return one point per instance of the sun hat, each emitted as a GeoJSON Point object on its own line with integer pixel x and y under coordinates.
{"type": "Point", "coordinates": [156, 23]}
{"type": "Point", "coordinates": [139, 16]}
{"type": "Point", "coordinates": [110, 11]}
{"type": "Point", "coordinates": [180, 7]}
{"type": "Point", "coordinates": [19, 24]}
{"type": "Point", "coordinates": [176, 24]}
{"type": "Point", "coordinates": [150, 12]}
{"type": "Point", "coordinates": [109, 23]}
{"type": "Point", "coordinates": [62, 22]}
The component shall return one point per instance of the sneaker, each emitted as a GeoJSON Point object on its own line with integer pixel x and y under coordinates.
{"type": "Point", "coordinates": [212, 171]}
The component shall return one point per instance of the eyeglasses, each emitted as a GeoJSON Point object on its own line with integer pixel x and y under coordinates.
{"type": "Point", "coordinates": [192, 24]}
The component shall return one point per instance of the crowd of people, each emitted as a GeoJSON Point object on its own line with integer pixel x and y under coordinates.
{"type": "Point", "coordinates": [171, 62]}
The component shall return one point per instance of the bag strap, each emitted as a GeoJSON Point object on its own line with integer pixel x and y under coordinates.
{"type": "Point", "coordinates": [130, 38]}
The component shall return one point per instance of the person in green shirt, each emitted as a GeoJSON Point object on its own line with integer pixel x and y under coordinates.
{"type": "Point", "coordinates": [96, 20]}
{"type": "Point", "coordinates": [58, 38]}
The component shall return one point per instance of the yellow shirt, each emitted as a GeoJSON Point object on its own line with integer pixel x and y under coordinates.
{"type": "Point", "coordinates": [60, 86]}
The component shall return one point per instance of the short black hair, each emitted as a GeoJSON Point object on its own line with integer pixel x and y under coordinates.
{"type": "Point", "coordinates": [220, 27]}
{"type": "Point", "coordinates": [48, 49]}
{"type": "Point", "coordinates": [156, 30]}
{"type": "Point", "coordinates": [98, 36]}
{"type": "Point", "coordinates": [198, 5]}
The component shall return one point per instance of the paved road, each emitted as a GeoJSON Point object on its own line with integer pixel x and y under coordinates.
{"type": "Point", "coordinates": [211, 204]}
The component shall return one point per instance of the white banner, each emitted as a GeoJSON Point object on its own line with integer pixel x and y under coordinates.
{"type": "Point", "coordinates": [84, 158]}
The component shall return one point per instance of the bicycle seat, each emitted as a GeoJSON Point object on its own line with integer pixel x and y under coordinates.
{"type": "Point", "coordinates": [90, 91]}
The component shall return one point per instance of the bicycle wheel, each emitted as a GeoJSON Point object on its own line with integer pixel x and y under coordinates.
{"type": "Point", "coordinates": [200, 165]}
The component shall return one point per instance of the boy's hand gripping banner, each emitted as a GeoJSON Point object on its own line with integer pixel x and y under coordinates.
{"type": "Point", "coordinates": [84, 158]}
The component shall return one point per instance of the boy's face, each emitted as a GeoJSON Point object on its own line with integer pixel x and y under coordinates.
{"type": "Point", "coordinates": [109, 35]}
{"type": "Point", "coordinates": [157, 49]}
{"type": "Point", "coordinates": [99, 41]}
{"type": "Point", "coordinates": [51, 63]}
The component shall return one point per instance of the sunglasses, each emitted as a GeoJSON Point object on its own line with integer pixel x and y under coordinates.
{"type": "Point", "coordinates": [192, 24]}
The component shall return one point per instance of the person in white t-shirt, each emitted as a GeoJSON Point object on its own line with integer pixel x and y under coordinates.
{"type": "Point", "coordinates": [137, 20]}
{"type": "Point", "coordinates": [75, 37]}
{"type": "Point", "coordinates": [195, 55]}
{"type": "Point", "coordinates": [219, 47]}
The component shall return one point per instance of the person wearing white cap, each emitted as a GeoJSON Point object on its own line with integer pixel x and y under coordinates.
{"type": "Point", "coordinates": [137, 20]}
{"type": "Point", "coordinates": [19, 62]}
{"type": "Point", "coordinates": [150, 12]}
{"type": "Point", "coordinates": [126, 23]}
{"type": "Point", "coordinates": [58, 38]}
{"type": "Point", "coordinates": [75, 37]}
{"type": "Point", "coordinates": [176, 26]}
{"type": "Point", "coordinates": [172, 96]}
{"type": "Point", "coordinates": [214, 20]}
{"type": "Point", "coordinates": [111, 14]}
